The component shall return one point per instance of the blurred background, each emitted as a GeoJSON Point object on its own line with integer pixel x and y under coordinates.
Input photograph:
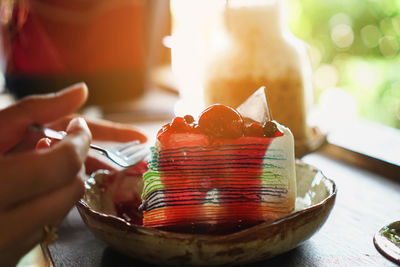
{"type": "Point", "coordinates": [354, 47]}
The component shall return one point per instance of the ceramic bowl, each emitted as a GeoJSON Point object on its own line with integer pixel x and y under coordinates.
{"type": "Point", "coordinates": [315, 199]}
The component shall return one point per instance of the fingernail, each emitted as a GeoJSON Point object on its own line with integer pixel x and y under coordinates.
{"type": "Point", "coordinates": [77, 123]}
{"type": "Point", "coordinates": [82, 86]}
{"type": "Point", "coordinates": [43, 143]}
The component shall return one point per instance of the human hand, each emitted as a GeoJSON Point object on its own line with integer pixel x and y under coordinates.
{"type": "Point", "coordinates": [103, 131]}
{"type": "Point", "coordinates": [39, 187]}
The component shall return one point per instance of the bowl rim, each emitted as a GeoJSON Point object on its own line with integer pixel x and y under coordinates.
{"type": "Point", "coordinates": [126, 226]}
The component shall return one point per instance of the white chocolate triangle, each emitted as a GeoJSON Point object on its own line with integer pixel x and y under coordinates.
{"type": "Point", "coordinates": [256, 106]}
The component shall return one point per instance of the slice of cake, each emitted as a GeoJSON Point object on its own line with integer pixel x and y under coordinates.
{"type": "Point", "coordinates": [219, 174]}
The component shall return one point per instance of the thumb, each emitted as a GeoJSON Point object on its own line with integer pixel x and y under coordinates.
{"type": "Point", "coordinates": [78, 135]}
{"type": "Point", "coordinates": [41, 109]}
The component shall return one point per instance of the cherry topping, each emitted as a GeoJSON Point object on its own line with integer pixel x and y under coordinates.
{"type": "Point", "coordinates": [179, 123]}
{"type": "Point", "coordinates": [254, 129]}
{"type": "Point", "coordinates": [189, 118]}
{"type": "Point", "coordinates": [163, 129]}
{"type": "Point", "coordinates": [221, 121]}
{"type": "Point", "coordinates": [270, 129]}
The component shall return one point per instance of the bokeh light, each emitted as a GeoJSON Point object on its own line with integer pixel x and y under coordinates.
{"type": "Point", "coordinates": [365, 76]}
{"type": "Point", "coordinates": [342, 35]}
{"type": "Point", "coordinates": [388, 46]}
{"type": "Point", "coordinates": [325, 76]}
{"type": "Point", "coordinates": [387, 28]}
{"type": "Point", "coordinates": [340, 18]}
{"type": "Point", "coordinates": [360, 40]}
{"type": "Point", "coordinates": [370, 35]}
{"type": "Point", "coordinates": [396, 24]}
{"type": "Point", "coordinates": [328, 116]}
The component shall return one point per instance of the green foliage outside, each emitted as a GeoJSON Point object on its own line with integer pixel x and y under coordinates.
{"type": "Point", "coordinates": [361, 40]}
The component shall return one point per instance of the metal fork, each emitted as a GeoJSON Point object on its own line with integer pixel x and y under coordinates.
{"type": "Point", "coordinates": [125, 155]}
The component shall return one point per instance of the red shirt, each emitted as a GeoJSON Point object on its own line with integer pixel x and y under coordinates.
{"type": "Point", "coordinates": [76, 37]}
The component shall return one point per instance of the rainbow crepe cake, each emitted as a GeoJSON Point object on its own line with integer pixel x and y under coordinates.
{"type": "Point", "coordinates": [219, 174]}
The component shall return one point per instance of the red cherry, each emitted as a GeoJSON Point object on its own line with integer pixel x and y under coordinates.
{"type": "Point", "coordinates": [254, 129]}
{"type": "Point", "coordinates": [270, 129]}
{"type": "Point", "coordinates": [179, 124]}
{"type": "Point", "coordinates": [189, 118]}
{"type": "Point", "coordinates": [221, 121]}
{"type": "Point", "coordinates": [163, 129]}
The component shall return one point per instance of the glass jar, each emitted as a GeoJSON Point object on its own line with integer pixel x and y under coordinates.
{"type": "Point", "coordinates": [224, 50]}
{"type": "Point", "coordinates": [259, 50]}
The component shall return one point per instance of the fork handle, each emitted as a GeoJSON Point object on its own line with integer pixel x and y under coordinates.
{"type": "Point", "coordinates": [98, 148]}
{"type": "Point", "coordinates": [58, 135]}
{"type": "Point", "coordinates": [53, 134]}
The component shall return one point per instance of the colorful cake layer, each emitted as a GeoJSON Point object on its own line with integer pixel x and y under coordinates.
{"type": "Point", "coordinates": [210, 182]}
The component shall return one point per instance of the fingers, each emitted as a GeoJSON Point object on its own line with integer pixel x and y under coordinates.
{"type": "Point", "coordinates": [96, 162]}
{"type": "Point", "coordinates": [111, 131]}
{"type": "Point", "coordinates": [22, 226]}
{"type": "Point", "coordinates": [44, 170]}
{"type": "Point", "coordinates": [28, 219]}
{"type": "Point", "coordinates": [93, 162]}
{"type": "Point", "coordinates": [14, 120]}
{"type": "Point", "coordinates": [105, 130]}
{"type": "Point", "coordinates": [79, 135]}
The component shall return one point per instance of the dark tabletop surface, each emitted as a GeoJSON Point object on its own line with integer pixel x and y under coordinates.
{"type": "Point", "coordinates": [365, 202]}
